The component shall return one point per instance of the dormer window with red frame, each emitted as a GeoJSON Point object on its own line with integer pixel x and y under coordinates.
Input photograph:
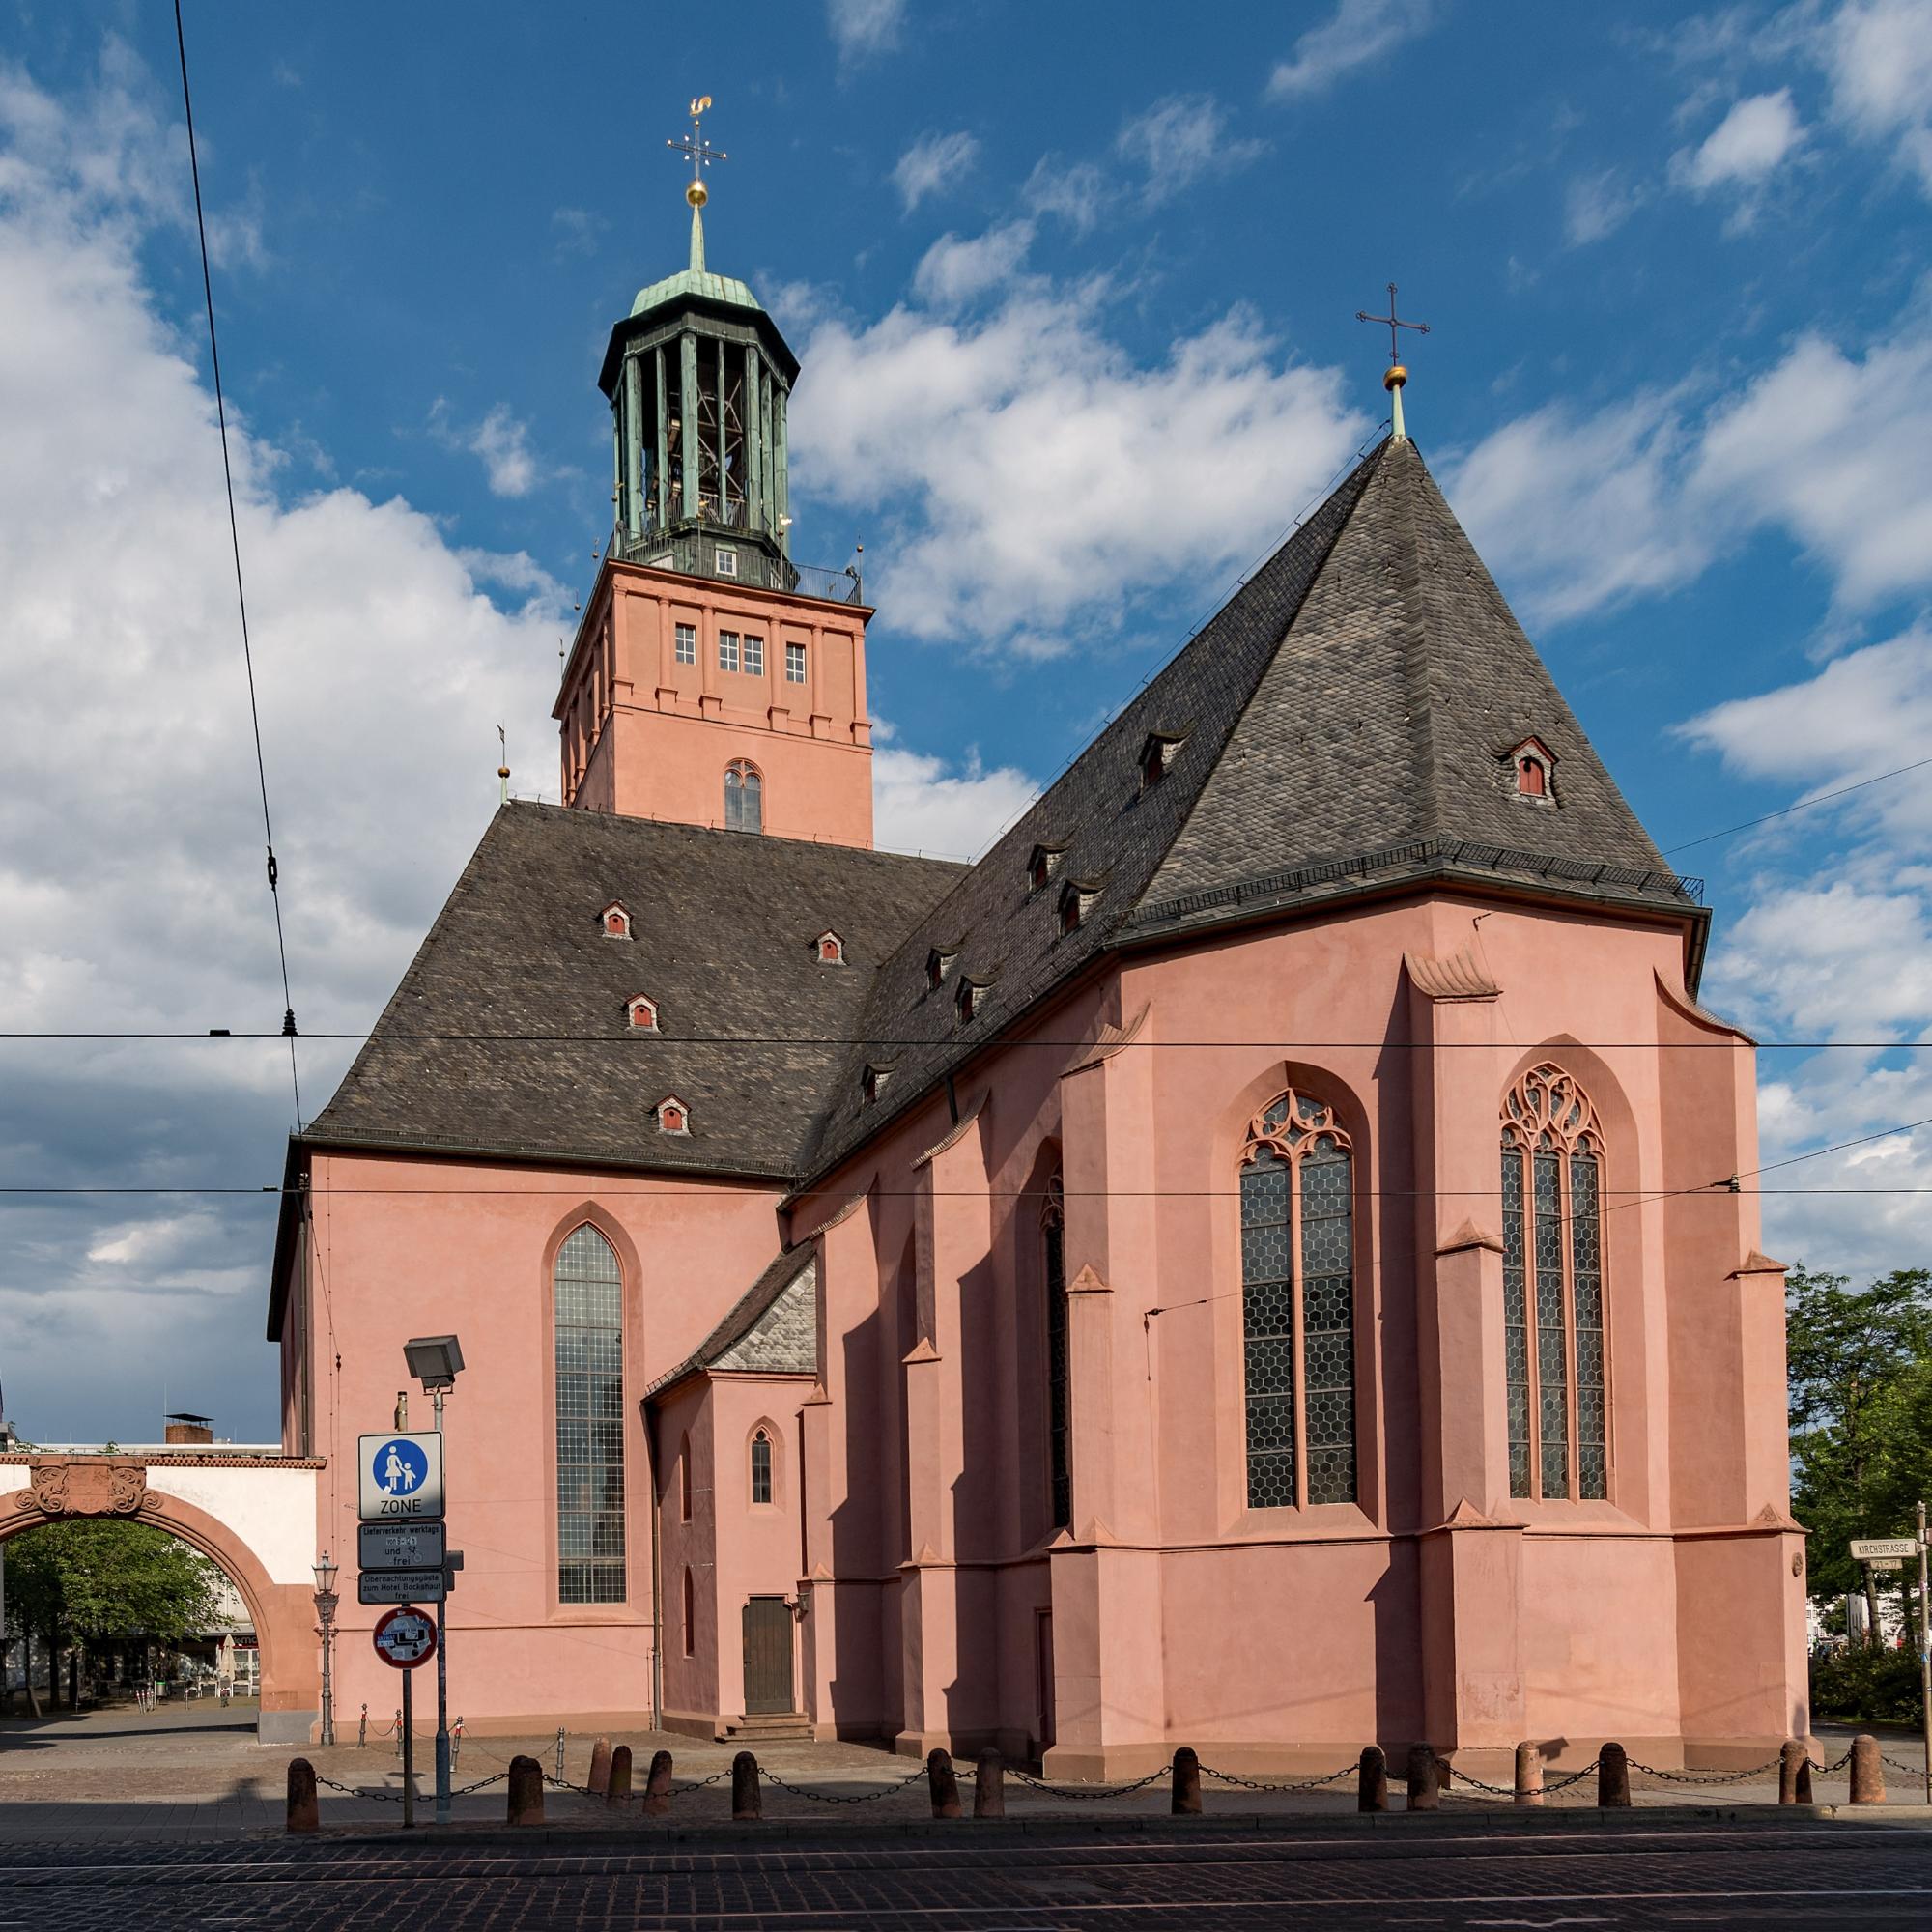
{"type": "Point", "coordinates": [1157, 755]}
{"type": "Point", "coordinates": [1042, 866]}
{"type": "Point", "coordinates": [642, 1013]}
{"type": "Point", "coordinates": [1533, 769]}
{"type": "Point", "coordinates": [829, 949]}
{"type": "Point", "coordinates": [872, 1083]}
{"type": "Point", "coordinates": [615, 920]}
{"type": "Point", "coordinates": [967, 1000]}
{"type": "Point", "coordinates": [673, 1116]}
{"type": "Point", "coordinates": [938, 963]}
{"type": "Point", "coordinates": [1076, 900]}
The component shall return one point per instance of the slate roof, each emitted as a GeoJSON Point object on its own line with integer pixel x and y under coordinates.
{"type": "Point", "coordinates": [722, 929]}
{"type": "Point", "coordinates": [1344, 723]}
{"type": "Point", "coordinates": [793, 1349]}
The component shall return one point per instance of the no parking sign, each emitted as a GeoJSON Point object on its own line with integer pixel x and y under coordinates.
{"type": "Point", "coordinates": [404, 1637]}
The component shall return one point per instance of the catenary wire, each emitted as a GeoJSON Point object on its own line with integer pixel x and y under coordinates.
{"type": "Point", "coordinates": [1803, 805]}
{"type": "Point", "coordinates": [241, 593]}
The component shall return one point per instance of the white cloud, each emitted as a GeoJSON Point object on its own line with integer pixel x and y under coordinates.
{"type": "Point", "coordinates": [1043, 478]}
{"type": "Point", "coordinates": [1180, 140]}
{"type": "Point", "coordinates": [863, 28]}
{"type": "Point", "coordinates": [925, 804]}
{"type": "Point", "coordinates": [499, 440]}
{"type": "Point", "coordinates": [577, 230]}
{"type": "Point", "coordinates": [1076, 191]}
{"type": "Point", "coordinates": [131, 891]}
{"type": "Point", "coordinates": [1361, 30]}
{"type": "Point", "coordinates": [1878, 57]}
{"type": "Point", "coordinates": [956, 269]}
{"type": "Point", "coordinates": [1596, 205]}
{"type": "Point", "coordinates": [1746, 146]}
{"type": "Point", "coordinates": [933, 162]}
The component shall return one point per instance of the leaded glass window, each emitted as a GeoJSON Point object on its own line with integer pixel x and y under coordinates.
{"type": "Point", "coordinates": [1553, 1343]}
{"type": "Point", "coordinates": [761, 1468]}
{"type": "Point", "coordinates": [588, 1301]}
{"type": "Point", "coordinates": [1298, 1306]}
{"type": "Point", "coordinates": [744, 797]}
{"type": "Point", "coordinates": [1058, 1409]}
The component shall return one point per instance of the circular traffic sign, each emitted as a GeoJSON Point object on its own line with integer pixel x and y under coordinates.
{"type": "Point", "coordinates": [404, 1637]}
{"type": "Point", "coordinates": [400, 1467]}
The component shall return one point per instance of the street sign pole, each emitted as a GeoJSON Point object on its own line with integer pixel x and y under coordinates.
{"type": "Point", "coordinates": [408, 1758]}
{"type": "Point", "coordinates": [1925, 1659]}
{"type": "Point", "coordinates": [442, 1679]}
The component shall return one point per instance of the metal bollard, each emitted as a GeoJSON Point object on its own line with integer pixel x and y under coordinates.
{"type": "Point", "coordinates": [455, 1744]}
{"type": "Point", "coordinates": [1187, 1784]}
{"type": "Point", "coordinates": [1423, 1766]}
{"type": "Point", "coordinates": [618, 1786]}
{"type": "Point", "coordinates": [1614, 1775]}
{"type": "Point", "coordinates": [989, 1786]}
{"type": "Point", "coordinates": [943, 1783]}
{"type": "Point", "coordinates": [399, 1730]}
{"type": "Point", "coordinates": [1371, 1782]}
{"type": "Point", "coordinates": [1867, 1771]}
{"type": "Point", "coordinates": [746, 1806]}
{"type": "Point", "coordinates": [305, 1815]}
{"type": "Point", "coordinates": [1529, 1774]}
{"type": "Point", "coordinates": [657, 1787]}
{"type": "Point", "coordinates": [598, 1782]}
{"type": "Point", "coordinates": [560, 1753]}
{"type": "Point", "coordinates": [362, 1730]}
{"type": "Point", "coordinates": [1794, 1772]}
{"type": "Point", "coordinates": [526, 1791]}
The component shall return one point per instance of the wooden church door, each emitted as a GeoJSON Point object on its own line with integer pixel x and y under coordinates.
{"type": "Point", "coordinates": [767, 1655]}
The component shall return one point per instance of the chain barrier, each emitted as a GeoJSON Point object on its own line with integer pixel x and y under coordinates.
{"type": "Point", "coordinates": [1909, 1769]}
{"type": "Point", "coordinates": [351, 1791]}
{"type": "Point", "coordinates": [1457, 1776]}
{"type": "Point", "coordinates": [1302, 1784]}
{"type": "Point", "coordinates": [698, 1783]}
{"type": "Point", "coordinates": [840, 1798]}
{"type": "Point", "coordinates": [1564, 1783]}
{"type": "Point", "coordinates": [481, 1784]}
{"type": "Point", "coordinates": [1080, 1793]}
{"type": "Point", "coordinates": [1707, 1777]}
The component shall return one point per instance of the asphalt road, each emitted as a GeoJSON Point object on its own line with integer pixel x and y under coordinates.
{"type": "Point", "coordinates": [1446, 1875]}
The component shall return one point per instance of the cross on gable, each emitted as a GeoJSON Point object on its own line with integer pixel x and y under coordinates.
{"type": "Point", "coordinates": [1393, 323]}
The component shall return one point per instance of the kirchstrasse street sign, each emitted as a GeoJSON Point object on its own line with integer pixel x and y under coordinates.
{"type": "Point", "coordinates": [401, 1476]}
{"type": "Point", "coordinates": [1876, 1549]}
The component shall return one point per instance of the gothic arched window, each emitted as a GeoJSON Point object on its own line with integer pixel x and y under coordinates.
{"type": "Point", "coordinates": [744, 797]}
{"type": "Point", "coordinates": [1299, 1305]}
{"type": "Point", "coordinates": [761, 1468]}
{"type": "Point", "coordinates": [1058, 1387]}
{"type": "Point", "coordinates": [588, 1292]}
{"type": "Point", "coordinates": [1552, 1156]}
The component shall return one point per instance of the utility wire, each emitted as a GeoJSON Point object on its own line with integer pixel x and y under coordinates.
{"type": "Point", "coordinates": [241, 593]}
{"type": "Point", "coordinates": [1803, 805]}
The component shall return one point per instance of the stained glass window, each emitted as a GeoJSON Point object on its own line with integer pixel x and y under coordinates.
{"type": "Point", "coordinates": [1298, 1323]}
{"type": "Point", "coordinates": [1553, 1341]}
{"type": "Point", "coordinates": [589, 1290]}
{"type": "Point", "coordinates": [1059, 1411]}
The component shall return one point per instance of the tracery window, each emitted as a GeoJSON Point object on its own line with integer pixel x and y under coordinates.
{"type": "Point", "coordinates": [1552, 1156]}
{"type": "Point", "coordinates": [1059, 1378]}
{"type": "Point", "coordinates": [744, 797]}
{"type": "Point", "coordinates": [588, 1301]}
{"type": "Point", "coordinates": [1299, 1305]}
{"type": "Point", "coordinates": [761, 1468]}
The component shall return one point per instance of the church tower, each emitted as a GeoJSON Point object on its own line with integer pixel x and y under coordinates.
{"type": "Point", "coordinates": [712, 679]}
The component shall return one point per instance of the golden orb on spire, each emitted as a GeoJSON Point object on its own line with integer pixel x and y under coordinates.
{"type": "Point", "coordinates": [1395, 376]}
{"type": "Point", "coordinates": [697, 194]}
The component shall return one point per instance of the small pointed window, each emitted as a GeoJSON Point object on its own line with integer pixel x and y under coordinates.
{"type": "Point", "coordinates": [673, 1116]}
{"type": "Point", "coordinates": [615, 920]}
{"type": "Point", "coordinates": [761, 1468]}
{"type": "Point", "coordinates": [1533, 772]}
{"type": "Point", "coordinates": [689, 1615]}
{"type": "Point", "coordinates": [830, 949]}
{"type": "Point", "coordinates": [744, 797]}
{"type": "Point", "coordinates": [643, 1012]}
{"type": "Point", "coordinates": [684, 1480]}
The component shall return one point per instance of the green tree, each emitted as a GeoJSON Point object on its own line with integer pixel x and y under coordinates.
{"type": "Point", "coordinates": [92, 1578]}
{"type": "Point", "coordinates": [1861, 1371]}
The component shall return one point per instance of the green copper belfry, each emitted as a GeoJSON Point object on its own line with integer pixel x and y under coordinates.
{"type": "Point", "coordinates": [698, 378]}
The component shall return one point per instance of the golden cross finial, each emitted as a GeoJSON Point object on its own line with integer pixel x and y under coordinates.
{"type": "Point", "coordinates": [699, 152]}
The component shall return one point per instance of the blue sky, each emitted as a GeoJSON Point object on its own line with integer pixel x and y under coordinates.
{"type": "Point", "coordinates": [1074, 293]}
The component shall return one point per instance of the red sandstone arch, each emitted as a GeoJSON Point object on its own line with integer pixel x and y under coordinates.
{"type": "Point", "coordinates": [283, 1613]}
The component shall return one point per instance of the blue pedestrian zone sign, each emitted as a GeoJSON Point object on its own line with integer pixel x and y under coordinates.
{"type": "Point", "coordinates": [401, 1477]}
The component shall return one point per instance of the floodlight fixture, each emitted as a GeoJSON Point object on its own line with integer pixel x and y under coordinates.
{"type": "Point", "coordinates": [435, 1361]}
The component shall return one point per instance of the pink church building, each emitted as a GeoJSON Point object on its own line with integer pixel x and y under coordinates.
{"type": "Point", "coordinates": [1250, 1263]}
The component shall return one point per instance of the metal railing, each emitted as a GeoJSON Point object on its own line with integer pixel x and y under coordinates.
{"type": "Point", "coordinates": [685, 549]}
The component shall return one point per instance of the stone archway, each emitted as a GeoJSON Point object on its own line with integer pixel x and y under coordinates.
{"type": "Point", "coordinates": [60, 1488]}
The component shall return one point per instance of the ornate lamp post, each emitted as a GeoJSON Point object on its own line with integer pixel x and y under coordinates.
{"type": "Point", "coordinates": [326, 1601]}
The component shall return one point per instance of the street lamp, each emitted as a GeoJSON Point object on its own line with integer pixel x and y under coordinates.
{"type": "Point", "coordinates": [436, 1361]}
{"type": "Point", "coordinates": [324, 1610]}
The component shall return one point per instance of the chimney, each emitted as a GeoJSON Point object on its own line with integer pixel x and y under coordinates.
{"type": "Point", "coordinates": [191, 1429]}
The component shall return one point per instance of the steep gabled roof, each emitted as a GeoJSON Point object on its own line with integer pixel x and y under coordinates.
{"type": "Point", "coordinates": [722, 929]}
{"type": "Point", "coordinates": [771, 1329]}
{"type": "Point", "coordinates": [1346, 720]}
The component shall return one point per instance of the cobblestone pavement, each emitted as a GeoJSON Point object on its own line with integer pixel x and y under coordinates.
{"type": "Point", "coordinates": [1442, 1872]}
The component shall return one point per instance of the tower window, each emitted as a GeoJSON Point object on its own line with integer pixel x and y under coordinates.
{"type": "Point", "coordinates": [616, 921]}
{"type": "Point", "coordinates": [761, 1468]}
{"type": "Point", "coordinates": [830, 949]}
{"type": "Point", "coordinates": [726, 563]}
{"type": "Point", "coordinates": [727, 650]}
{"type": "Point", "coordinates": [687, 643]}
{"type": "Point", "coordinates": [744, 797]}
{"type": "Point", "coordinates": [794, 664]}
{"type": "Point", "coordinates": [672, 1119]}
{"type": "Point", "coordinates": [754, 657]}
{"type": "Point", "coordinates": [642, 1013]}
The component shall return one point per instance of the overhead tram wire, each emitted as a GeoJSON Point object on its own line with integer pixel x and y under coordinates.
{"type": "Point", "coordinates": [241, 593]}
{"type": "Point", "coordinates": [1803, 805]}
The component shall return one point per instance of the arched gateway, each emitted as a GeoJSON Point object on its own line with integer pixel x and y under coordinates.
{"type": "Point", "coordinates": [253, 1516]}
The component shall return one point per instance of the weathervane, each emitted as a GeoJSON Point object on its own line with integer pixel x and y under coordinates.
{"type": "Point", "coordinates": [1395, 376]}
{"type": "Point", "coordinates": [700, 153]}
